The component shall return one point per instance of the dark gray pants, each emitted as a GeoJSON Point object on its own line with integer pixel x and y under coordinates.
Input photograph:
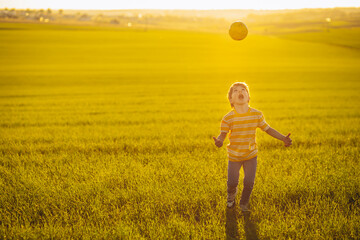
{"type": "Point", "coordinates": [249, 167]}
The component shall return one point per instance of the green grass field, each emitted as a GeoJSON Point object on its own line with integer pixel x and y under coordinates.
{"type": "Point", "coordinates": [106, 133]}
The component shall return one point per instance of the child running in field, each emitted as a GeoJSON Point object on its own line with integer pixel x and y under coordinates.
{"type": "Point", "coordinates": [242, 122]}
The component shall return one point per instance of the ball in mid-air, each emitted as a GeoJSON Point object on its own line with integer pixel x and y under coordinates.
{"type": "Point", "coordinates": [238, 31]}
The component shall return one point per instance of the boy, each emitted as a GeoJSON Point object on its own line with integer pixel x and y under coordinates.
{"type": "Point", "coordinates": [242, 122]}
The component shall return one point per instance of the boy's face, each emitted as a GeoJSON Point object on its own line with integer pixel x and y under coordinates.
{"type": "Point", "coordinates": [239, 95]}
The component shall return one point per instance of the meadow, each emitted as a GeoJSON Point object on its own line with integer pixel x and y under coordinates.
{"type": "Point", "coordinates": [106, 133]}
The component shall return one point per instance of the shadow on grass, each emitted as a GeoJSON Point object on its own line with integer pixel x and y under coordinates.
{"type": "Point", "coordinates": [232, 230]}
{"type": "Point", "coordinates": [250, 227]}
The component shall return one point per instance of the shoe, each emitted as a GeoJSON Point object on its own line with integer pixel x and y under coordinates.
{"type": "Point", "coordinates": [230, 204]}
{"type": "Point", "coordinates": [245, 207]}
{"type": "Point", "coordinates": [231, 199]}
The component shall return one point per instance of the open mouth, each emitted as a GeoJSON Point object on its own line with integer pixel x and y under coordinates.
{"type": "Point", "coordinates": [241, 97]}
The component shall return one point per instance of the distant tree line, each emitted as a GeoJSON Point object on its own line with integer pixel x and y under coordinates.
{"type": "Point", "coordinates": [181, 19]}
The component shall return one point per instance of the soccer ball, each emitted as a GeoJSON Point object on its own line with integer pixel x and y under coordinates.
{"type": "Point", "coordinates": [238, 31]}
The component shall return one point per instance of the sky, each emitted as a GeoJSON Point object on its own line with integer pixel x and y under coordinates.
{"type": "Point", "coordinates": [177, 4]}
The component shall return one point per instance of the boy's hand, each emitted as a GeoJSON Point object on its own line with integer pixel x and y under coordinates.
{"type": "Point", "coordinates": [287, 140]}
{"type": "Point", "coordinates": [218, 142]}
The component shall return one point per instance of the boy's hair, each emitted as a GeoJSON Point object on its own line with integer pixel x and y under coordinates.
{"type": "Point", "coordinates": [242, 84]}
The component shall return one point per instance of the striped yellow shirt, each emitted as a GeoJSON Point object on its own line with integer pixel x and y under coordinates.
{"type": "Point", "coordinates": [242, 129]}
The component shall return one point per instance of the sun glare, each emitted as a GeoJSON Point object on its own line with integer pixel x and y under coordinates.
{"type": "Point", "coordinates": [186, 4]}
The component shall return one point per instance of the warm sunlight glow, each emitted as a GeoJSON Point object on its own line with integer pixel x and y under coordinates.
{"type": "Point", "coordinates": [185, 4]}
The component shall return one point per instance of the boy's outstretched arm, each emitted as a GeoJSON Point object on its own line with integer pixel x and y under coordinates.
{"type": "Point", "coordinates": [220, 139]}
{"type": "Point", "coordinates": [286, 139]}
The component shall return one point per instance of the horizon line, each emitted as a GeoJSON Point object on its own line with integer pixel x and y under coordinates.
{"type": "Point", "coordinates": [180, 9]}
